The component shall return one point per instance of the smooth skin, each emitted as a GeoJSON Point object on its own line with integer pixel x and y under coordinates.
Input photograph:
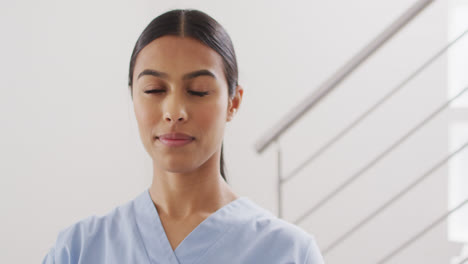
{"type": "Point", "coordinates": [187, 186]}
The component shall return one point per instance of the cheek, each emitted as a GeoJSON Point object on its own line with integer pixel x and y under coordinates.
{"type": "Point", "coordinates": [145, 116]}
{"type": "Point", "coordinates": [212, 117]}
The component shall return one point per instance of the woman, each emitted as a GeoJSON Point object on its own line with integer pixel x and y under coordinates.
{"type": "Point", "coordinates": [183, 83]}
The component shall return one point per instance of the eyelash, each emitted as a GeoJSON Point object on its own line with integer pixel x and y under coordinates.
{"type": "Point", "coordinates": [201, 94]}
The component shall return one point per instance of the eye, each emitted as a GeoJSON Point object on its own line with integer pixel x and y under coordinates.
{"type": "Point", "coordinates": [201, 94]}
{"type": "Point", "coordinates": [154, 91]}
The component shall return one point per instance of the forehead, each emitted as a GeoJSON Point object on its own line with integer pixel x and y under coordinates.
{"type": "Point", "coordinates": [178, 55]}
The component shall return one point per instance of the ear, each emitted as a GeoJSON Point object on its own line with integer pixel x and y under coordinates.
{"type": "Point", "coordinates": [234, 103]}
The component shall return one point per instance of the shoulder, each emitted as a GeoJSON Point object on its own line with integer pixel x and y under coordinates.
{"type": "Point", "coordinates": [92, 227]}
{"type": "Point", "coordinates": [265, 223]}
{"type": "Point", "coordinates": [278, 236]}
{"type": "Point", "coordinates": [91, 232]}
{"type": "Point", "coordinates": [281, 234]}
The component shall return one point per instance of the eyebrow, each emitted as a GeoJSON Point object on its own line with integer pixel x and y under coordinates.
{"type": "Point", "coordinates": [186, 76]}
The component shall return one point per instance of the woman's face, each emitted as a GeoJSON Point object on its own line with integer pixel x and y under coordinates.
{"type": "Point", "coordinates": [179, 86]}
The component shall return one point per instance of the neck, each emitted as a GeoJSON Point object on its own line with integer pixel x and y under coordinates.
{"type": "Point", "coordinates": [181, 195]}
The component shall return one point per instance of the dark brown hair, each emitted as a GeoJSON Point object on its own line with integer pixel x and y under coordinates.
{"type": "Point", "coordinates": [197, 25]}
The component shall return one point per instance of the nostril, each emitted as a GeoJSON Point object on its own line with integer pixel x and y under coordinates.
{"type": "Point", "coordinates": [179, 119]}
{"type": "Point", "coordinates": [169, 118]}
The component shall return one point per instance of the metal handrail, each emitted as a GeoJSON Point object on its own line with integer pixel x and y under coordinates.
{"type": "Point", "coordinates": [279, 169]}
{"type": "Point", "coordinates": [392, 200]}
{"type": "Point", "coordinates": [422, 232]}
{"type": "Point", "coordinates": [371, 109]}
{"type": "Point", "coordinates": [464, 261]}
{"type": "Point", "coordinates": [338, 77]}
{"type": "Point", "coordinates": [392, 147]}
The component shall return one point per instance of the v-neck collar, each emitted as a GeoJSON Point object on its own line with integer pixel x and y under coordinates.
{"type": "Point", "coordinates": [195, 244]}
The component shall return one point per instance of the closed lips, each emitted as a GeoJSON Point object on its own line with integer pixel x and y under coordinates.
{"type": "Point", "coordinates": [175, 139]}
{"type": "Point", "coordinates": [176, 136]}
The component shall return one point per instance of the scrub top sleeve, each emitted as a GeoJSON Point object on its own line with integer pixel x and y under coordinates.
{"type": "Point", "coordinates": [49, 258]}
{"type": "Point", "coordinates": [59, 253]}
{"type": "Point", "coordinates": [53, 258]}
{"type": "Point", "coordinates": [313, 255]}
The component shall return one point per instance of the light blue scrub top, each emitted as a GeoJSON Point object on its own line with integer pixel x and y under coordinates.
{"type": "Point", "coordinates": [239, 232]}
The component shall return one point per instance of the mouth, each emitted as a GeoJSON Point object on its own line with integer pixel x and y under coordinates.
{"type": "Point", "coordinates": [175, 139]}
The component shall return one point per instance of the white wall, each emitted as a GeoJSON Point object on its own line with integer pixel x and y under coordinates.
{"type": "Point", "coordinates": [457, 59]}
{"type": "Point", "coordinates": [70, 147]}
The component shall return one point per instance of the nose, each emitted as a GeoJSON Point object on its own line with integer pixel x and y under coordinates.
{"type": "Point", "coordinates": [174, 110]}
